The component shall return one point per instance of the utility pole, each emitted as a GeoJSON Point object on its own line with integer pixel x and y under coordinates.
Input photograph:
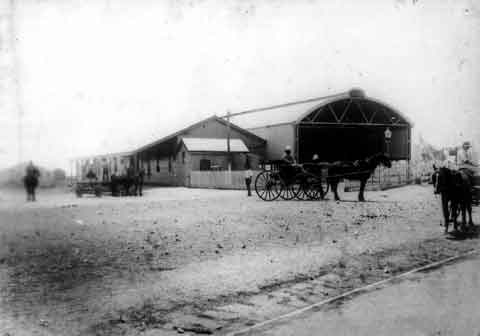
{"type": "Point", "coordinates": [229, 156]}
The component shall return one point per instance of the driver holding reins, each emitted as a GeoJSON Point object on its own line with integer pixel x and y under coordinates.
{"type": "Point", "coordinates": [287, 156]}
{"type": "Point", "coordinates": [465, 161]}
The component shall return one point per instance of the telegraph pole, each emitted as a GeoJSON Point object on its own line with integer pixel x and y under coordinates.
{"type": "Point", "coordinates": [229, 156]}
{"type": "Point", "coordinates": [228, 141]}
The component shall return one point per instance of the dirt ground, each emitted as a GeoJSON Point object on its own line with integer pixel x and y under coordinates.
{"type": "Point", "coordinates": [156, 265]}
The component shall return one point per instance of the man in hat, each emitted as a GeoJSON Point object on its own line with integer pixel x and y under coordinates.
{"type": "Point", "coordinates": [465, 155]}
{"type": "Point", "coordinates": [287, 156]}
{"type": "Point", "coordinates": [248, 175]}
{"type": "Point", "coordinates": [465, 160]}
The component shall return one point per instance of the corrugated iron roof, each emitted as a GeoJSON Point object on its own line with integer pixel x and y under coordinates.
{"type": "Point", "coordinates": [281, 114]}
{"type": "Point", "coordinates": [295, 112]}
{"type": "Point", "coordinates": [214, 145]}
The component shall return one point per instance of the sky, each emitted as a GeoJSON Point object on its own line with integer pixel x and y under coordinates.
{"type": "Point", "coordinates": [93, 76]}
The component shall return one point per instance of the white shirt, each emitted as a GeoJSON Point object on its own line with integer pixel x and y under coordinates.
{"type": "Point", "coordinates": [464, 156]}
{"type": "Point", "coordinates": [248, 173]}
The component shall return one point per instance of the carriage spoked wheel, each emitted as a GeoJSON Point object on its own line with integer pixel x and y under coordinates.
{"type": "Point", "coordinates": [268, 186]}
{"type": "Point", "coordinates": [312, 187]}
{"type": "Point", "coordinates": [289, 189]}
{"type": "Point", "coordinates": [315, 192]}
{"type": "Point", "coordinates": [299, 185]}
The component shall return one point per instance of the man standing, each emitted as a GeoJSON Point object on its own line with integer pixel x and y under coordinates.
{"type": "Point", "coordinates": [32, 174]}
{"type": "Point", "coordinates": [105, 175]}
{"type": "Point", "coordinates": [141, 178]}
{"type": "Point", "coordinates": [248, 176]}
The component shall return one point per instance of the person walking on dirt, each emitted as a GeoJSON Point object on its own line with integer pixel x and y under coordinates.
{"type": "Point", "coordinates": [32, 174]}
{"type": "Point", "coordinates": [248, 176]}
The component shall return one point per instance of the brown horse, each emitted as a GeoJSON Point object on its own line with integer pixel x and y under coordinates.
{"type": "Point", "coordinates": [454, 188]}
{"type": "Point", "coordinates": [360, 170]}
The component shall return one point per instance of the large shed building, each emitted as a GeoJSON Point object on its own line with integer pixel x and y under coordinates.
{"type": "Point", "coordinates": [347, 126]}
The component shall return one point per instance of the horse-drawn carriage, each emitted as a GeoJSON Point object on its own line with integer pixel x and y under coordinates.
{"type": "Point", "coordinates": [289, 181]}
{"type": "Point", "coordinates": [121, 185]}
{"type": "Point", "coordinates": [311, 181]}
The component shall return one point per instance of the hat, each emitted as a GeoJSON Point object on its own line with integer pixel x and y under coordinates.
{"type": "Point", "coordinates": [466, 144]}
{"type": "Point", "coordinates": [288, 148]}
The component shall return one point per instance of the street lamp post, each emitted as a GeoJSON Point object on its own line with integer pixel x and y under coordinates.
{"type": "Point", "coordinates": [388, 138]}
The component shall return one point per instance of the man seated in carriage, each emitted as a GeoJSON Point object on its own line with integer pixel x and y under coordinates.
{"type": "Point", "coordinates": [465, 161]}
{"type": "Point", "coordinates": [287, 155]}
{"type": "Point", "coordinates": [288, 170]}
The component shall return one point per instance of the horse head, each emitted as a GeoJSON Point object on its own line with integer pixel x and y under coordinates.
{"type": "Point", "coordinates": [382, 159]}
{"type": "Point", "coordinates": [442, 179]}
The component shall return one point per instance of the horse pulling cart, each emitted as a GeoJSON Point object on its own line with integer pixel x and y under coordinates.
{"type": "Point", "coordinates": [311, 181]}
{"type": "Point", "coordinates": [115, 186]}
{"type": "Point", "coordinates": [97, 188]}
{"type": "Point", "coordinates": [292, 181]}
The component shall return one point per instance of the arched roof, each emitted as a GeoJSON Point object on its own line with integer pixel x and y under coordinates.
{"type": "Point", "coordinates": [351, 109]}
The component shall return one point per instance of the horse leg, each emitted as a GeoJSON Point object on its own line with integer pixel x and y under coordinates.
{"type": "Point", "coordinates": [464, 214]}
{"type": "Point", "coordinates": [445, 210]}
{"type": "Point", "coordinates": [361, 197]}
{"type": "Point", "coordinates": [334, 185]}
{"type": "Point", "coordinates": [469, 209]}
{"type": "Point", "coordinates": [455, 208]}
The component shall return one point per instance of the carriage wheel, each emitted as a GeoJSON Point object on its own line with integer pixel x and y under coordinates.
{"type": "Point", "coordinates": [299, 186]}
{"type": "Point", "coordinates": [267, 186]}
{"type": "Point", "coordinates": [98, 192]}
{"type": "Point", "coordinates": [312, 187]}
{"type": "Point", "coordinates": [289, 189]}
{"type": "Point", "coordinates": [78, 192]}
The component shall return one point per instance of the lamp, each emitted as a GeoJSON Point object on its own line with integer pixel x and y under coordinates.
{"type": "Point", "coordinates": [388, 134]}
{"type": "Point", "coordinates": [388, 137]}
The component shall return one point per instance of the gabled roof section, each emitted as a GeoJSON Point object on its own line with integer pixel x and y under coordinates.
{"type": "Point", "coordinates": [214, 145]}
{"type": "Point", "coordinates": [199, 124]}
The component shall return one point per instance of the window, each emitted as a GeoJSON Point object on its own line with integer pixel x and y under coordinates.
{"type": "Point", "coordinates": [158, 165]}
{"type": "Point", "coordinates": [205, 164]}
{"type": "Point", "coordinates": [169, 164]}
{"type": "Point", "coordinates": [183, 157]}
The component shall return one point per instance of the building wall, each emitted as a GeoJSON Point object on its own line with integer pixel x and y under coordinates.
{"type": "Point", "coordinates": [83, 165]}
{"type": "Point", "coordinates": [160, 172]}
{"type": "Point", "coordinates": [277, 138]}
{"type": "Point", "coordinates": [218, 160]}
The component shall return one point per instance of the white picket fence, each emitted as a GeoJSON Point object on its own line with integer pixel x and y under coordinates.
{"type": "Point", "coordinates": [383, 178]}
{"type": "Point", "coordinates": [220, 179]}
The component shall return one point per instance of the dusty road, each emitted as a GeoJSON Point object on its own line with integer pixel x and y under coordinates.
{"type": "Point", "coordinates": [179, 260]}
{"type": "Point", "coordinates": [444, 301]}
